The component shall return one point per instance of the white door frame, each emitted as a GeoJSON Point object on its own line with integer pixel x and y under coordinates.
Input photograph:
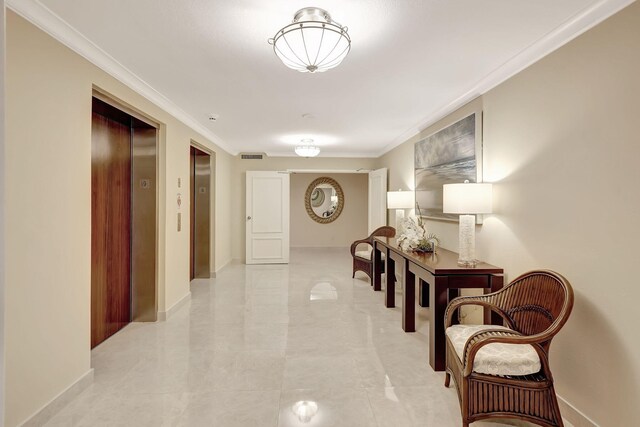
{"type": "Point", "coordinates": [377, 198]}
{"type": "Point", "coordinates": [2, 207]}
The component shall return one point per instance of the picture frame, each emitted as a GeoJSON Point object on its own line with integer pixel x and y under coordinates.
{"type": "Point", "coordinates": [451, 155]}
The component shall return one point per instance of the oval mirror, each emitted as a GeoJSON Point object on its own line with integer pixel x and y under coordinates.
{"type": "Point", "coordinates": [324, 200]}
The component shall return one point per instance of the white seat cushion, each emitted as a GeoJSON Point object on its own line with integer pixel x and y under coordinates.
{"type": "Point", "coordinates": [495, 359]}
{"type": "Point", "coordinates": [366, 254]}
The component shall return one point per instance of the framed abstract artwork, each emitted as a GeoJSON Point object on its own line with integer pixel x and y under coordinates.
{"type": "Point", "coordinates": [451, 155]}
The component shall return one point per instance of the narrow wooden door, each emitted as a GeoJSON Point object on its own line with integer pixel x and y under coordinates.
{"type": "Point", "coordinates": [110, 227]}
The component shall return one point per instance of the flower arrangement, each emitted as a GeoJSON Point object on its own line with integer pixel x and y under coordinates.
{"type": "Point", "coordinates": [414, 236]}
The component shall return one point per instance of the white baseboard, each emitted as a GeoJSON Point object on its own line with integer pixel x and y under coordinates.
{"type": "Point", "coordinates": [229, 261]}
{"type": "Point", "coordinates": [573, 415]}
{"type": "Point", "coordinates": [164, 315]}
{"type": "Point", "coordinates": [49, 410]}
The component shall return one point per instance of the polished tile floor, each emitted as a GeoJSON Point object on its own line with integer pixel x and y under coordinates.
{"type": "Point", "coordinates": [302, 344]}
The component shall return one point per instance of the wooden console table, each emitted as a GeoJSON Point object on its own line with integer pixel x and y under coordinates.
{"type": "Point", "coordinates": [442, 275]}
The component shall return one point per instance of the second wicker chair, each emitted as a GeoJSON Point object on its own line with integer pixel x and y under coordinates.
{"type": "Point", "coordinates": [363, 260]}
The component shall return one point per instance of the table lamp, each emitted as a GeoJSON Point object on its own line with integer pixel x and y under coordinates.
{"type": "Point", "coordinates": [400, 200]}
{"type": "Point", "coordinates": [467, 200]}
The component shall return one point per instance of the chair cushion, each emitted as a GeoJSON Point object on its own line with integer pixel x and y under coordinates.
{"type": "Point", "coordinates": [366, 254]}
{"type": "Point", "coordinates": [495, 359]}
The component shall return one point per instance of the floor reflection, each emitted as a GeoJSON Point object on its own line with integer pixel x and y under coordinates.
{"type": "Point", "coordinates": [323, 291]}
{"type": "Point", "coordinates": [305, 410]}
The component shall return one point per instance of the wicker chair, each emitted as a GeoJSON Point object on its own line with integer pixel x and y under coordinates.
{"type": "Point", "coordinates": [363, 260]}
{"type": "Point", "coordinates": [492, 381]}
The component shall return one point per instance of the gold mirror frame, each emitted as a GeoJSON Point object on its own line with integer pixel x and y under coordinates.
{"type": "Point", "coordinates": [307, 199]}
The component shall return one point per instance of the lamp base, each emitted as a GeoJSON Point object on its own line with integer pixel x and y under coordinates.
{"type": "Point", "coordinates": [399, 220]}
{"type": "Point", "coordinates": [467, 263]}
{"type": "Point", "coordinates": [467, 241]}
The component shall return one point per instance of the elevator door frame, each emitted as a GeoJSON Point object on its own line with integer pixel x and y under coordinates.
{"type": "Point", "coordinates": [205, 270]}
{"type": "Point", "coordinates": [150, 312]}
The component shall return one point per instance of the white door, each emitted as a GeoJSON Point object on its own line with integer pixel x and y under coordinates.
{"type": "Point", "coordinates": [377, 198]}
{"type": "Point", "coordinates": [267, 218]}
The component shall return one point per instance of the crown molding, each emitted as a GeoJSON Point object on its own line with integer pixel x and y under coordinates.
{"type": "Point", "coordinates": [563, 34]}
{"type": "Point", "coordinates": [45, 19]}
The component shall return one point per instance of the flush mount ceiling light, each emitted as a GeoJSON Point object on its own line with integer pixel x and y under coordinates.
{"type": "Point", "coordinates": [312, 43]}
{"type": "Point", "coordinates": [307, 148]}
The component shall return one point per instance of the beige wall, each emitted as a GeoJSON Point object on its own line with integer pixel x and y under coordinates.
{"type": "Point", "coordinates": [222, 210]}
{"type": "Point", "coordinates": [350, 225]}
{"type": "Point", "coordinates": [48, 212]}
{"type": "Point", "coordinates": [561, 146]}
{"type": "Point", "coordinates": [238, 185]}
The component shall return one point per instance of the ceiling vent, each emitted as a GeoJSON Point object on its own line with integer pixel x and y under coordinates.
{"type": "Point", "coordinates": [252, 156]}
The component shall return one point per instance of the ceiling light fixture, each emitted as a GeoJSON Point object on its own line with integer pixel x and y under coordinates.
{"type": "Point", "coordinates": [313, 42]}
{"type": "Point", "coordinates": [307, 148]}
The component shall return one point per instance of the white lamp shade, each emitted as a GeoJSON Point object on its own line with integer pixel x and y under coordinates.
{"type": "Point", "coordinates": [400, 199]}
{"type": "Point", "coordinates": [467, 198]}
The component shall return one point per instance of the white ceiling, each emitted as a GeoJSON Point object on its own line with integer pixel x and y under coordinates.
{"type": "Point", "coordinates": [411, 61]}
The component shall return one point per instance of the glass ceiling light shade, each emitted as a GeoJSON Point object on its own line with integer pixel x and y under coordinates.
{"type": "Point", "coordinates": [312, 43]}
{"type": "Point", "coordinates": [307, 149]}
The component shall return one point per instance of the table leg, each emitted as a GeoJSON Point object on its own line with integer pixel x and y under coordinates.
{"type": "Point", "coordinates": [390, 289]}
{"type": "Point", "coordinates": [423, 293]}
{"type": "Point", "coordinates": [454, 293]}
{"type": "Point", "coordinates": [377, 268]}
{"type": "Point", "coordinates": [438, 299]}
{"type": "Point", "coordinates": [409, 300]}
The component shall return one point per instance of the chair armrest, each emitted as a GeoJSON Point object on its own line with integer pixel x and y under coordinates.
{"type": "Point", "coordinates": [481, 300]}
{"type": "Point", "coordinates": [355, 244]}
{"type": "Point", "coordinates": [491, 336]}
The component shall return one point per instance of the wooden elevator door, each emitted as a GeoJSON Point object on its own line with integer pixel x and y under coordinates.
{"type": "Point", "coordinates": [199, 188]}
{"type": "Point", "coordinates": [110, 227]}
{"type": "Point", "coordinates": [192, 211]}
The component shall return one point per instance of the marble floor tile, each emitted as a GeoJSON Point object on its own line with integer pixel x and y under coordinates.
{"type": "Point", "coordinates": [255, 370]}
{"type": "Point", "coordinates": [226, 408]}
{"type": "Point", "coordinates": [301, 344]}
{"type": "Point", "coordinates": [321, 372]}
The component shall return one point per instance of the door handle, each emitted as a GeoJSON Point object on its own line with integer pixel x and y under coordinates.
{"type": "Point", "coordinates": [248, 218]}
